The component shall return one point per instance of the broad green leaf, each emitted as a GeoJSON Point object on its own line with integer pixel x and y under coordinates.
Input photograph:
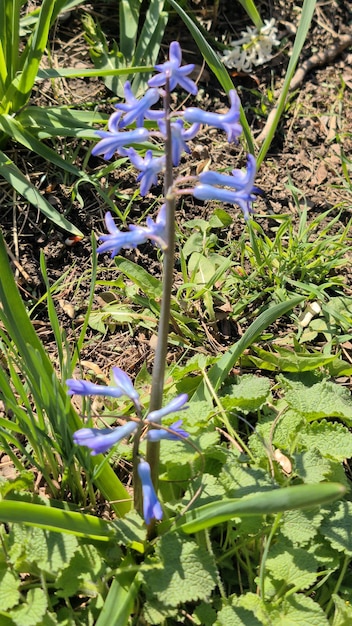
{"type": "Point", "coordinates": [332, 439]}
{"type": "Point", "coordinates": [188, 571]}
{"type": "Point", "coordinates": [248, 394]}
{"type": "Point", "coordinates": [268, 502]}
{"type": "Point", "coordinates": [300, 526]}
{"type": "Point", "coordinates": [32, 611]}
{"type": "Point", "coordinates": [291, 566]}
{"type": "Point", "coordinates": [298, 610]}
{"type": "Point", "coordinates": [14, 177]}
{"type": "Point", "coordinates": [51, 551]}
{"type": "Point", "coordinates": [336, 527]}
{"type": "Point", "coordinates": [343, 612]}
{"type": "Point", "coordinates": [236, 616]}
{"type": "Point", "coordinates": [9, 588]}
{"type": "Point", "coordinates": [322, 399]}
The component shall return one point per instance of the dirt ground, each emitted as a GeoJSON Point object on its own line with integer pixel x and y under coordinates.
{"type": "Point", "coordinates": [313, 134]}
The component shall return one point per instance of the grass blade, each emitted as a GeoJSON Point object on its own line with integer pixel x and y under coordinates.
{"type": "Point", "coordinates": [302, 31]}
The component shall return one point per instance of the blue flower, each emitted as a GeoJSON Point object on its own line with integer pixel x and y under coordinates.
{"type": "Point", "coordinates": [229, 122]}
{"type": "Point", "coordinates": [242, 183]}
{"type": "Point", "coordinates": [134, 236]}
{"type": "Point", "coordinates": [156, 434]}
{"type": "Point", "coordinates": [137, 110]}
{"type": "Point", "coordinates": [100, 440]}
{"type": "Point", "coordinates": [122, 387]}
{"type": "Point", "coordinates": [176, 404]}
{"type": "Point", "coordinates": [179, 136]}
{"type": "Point", "coordinates": [113, 140]}
{"type": "Point", "coordinates": [151, 505]}
{"type": "Point", "coordinates": [149, 167]}
{"type": "Point", "coordinates": [172, 71]}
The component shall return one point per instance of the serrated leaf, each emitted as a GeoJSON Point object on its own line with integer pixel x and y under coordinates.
{"type": "Point", "coordinates": [236, 616]}
{"type": "Point", "coordinates": [240, 480]}
{"type": "Point", "coordinates": [9, 588]}
{"type": "Point", "coordinates": [32, 611]}
{"type": "Point", "coordinates": [343, 612]}
{"type": "Point", "coordinates": [291, 566]}
{"type": "Point", "coordinates": [51, 552]}
{"type": "Point", "coordinates": [311, 466]}
{"type": "Point", "coordinates": [323, 399]}
{"type": "Point", "coordinates": [332, 439]}
{"type": "Point", "coordinates": [84, 573]}
{"type": "Point", "coordinates": [298, 610]}
{"type": "Point", "coordinates": [248, 394]}
{"type": "Point", "coordinates": [188, 572]}
{"type": "Point", "coordinates": [300, 526]}
{"type": "Point", "coordinates": [336, 527]}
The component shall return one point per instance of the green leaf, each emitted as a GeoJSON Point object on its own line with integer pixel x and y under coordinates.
{"type": "Point", "coordinates": [214, 63]}
{"type": "Point", "coordinates": [151, 286]}
{"type": "Point", "coordinates": [343, 612]}
{"type": "Point", "coordinates": [298, 610]}
{"type": "Point", "coordinates": [9, 588]}
{"type": "Point", "coordinates": [302, 31]}
{"type": "Point", "coordinates": [291, 566]}
{"type": "Point", "coordinates": [248, 394]}
{"type": "Point", "coordinates": [336, 527]}
{"type": "Point", "coordinates": [286, 360]}
{"type": "Point", "coordinates": [275, 501]}
{"type": "Point", "coordinates": [82, 525]}
{"type": "Point", "coordinates": [32, 611]}
{"type": "Point", "coordinates": [323, 399]}
{"type": "Point", "coordinates": [188, 572]}
{"type": "Point", "coordinates": [51, 552]}
{"type": "Point", "coordinates": [120, 601]}
{"type": "Point", "coordinates": [300, 527]}
{"type": "Point", "coordinates": [236, 616]}
{"type": "Point", "coordinates": [332, 439]}
{"type": "Point", "coordinates": [311, 466]}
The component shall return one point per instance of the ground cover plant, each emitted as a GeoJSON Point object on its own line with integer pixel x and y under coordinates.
{"type": "Point", "coordinates": [177, 446]}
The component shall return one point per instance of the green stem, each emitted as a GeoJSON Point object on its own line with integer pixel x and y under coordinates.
{"type": "Point", "coordinates": [153, 449]}
{"type": "Point", "coordinates": [265, 555]}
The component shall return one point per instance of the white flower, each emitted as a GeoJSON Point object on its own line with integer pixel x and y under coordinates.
{"type": "Point", "coordinates": [253, 48]}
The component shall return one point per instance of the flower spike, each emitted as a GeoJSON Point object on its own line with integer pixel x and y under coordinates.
{"type": "Point", "coordinates": [134, 110]}
{"type": "Point", "coordinates": [134, 236]}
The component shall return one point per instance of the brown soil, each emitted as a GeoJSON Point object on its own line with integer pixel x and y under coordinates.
{"type": "Point", "coordinates": [313, 134]}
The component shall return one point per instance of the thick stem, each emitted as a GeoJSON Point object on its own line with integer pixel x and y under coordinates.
{"type": "Point", "coordinates": [168, 271]}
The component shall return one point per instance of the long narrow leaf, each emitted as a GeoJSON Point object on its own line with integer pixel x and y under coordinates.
{"type": "Point", "coordinates": [120, 601]}
{"type": "Point", "coordinates": [215, 65]}
{"type": "Point", "coordinates": [51, 518]}
{"type": "Point", "coordinates": [302, 31]}
{"type": "Point", "coordinates": [15, 319]}
{"type": "Point", "coordinates": [265, 503]}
